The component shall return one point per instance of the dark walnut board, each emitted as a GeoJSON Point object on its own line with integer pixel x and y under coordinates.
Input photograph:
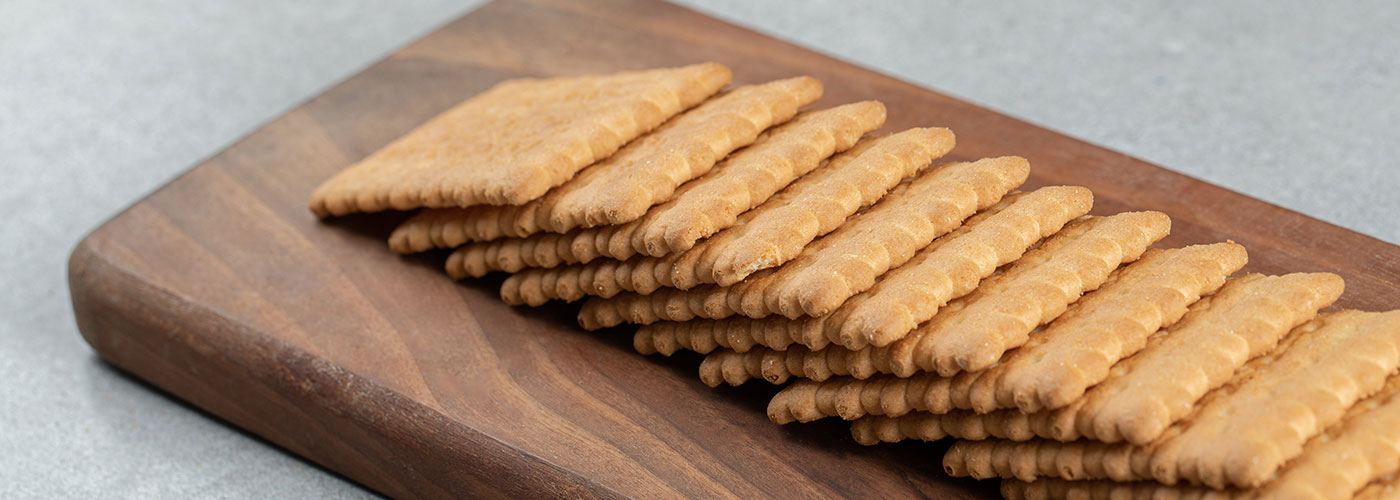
{"type": "Point", "coordinates": [224, 290]}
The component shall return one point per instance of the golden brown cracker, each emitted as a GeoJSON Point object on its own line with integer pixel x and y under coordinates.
{"type": "Point", "coordinates": [1053, 488]}
{"type": "Point", "coordinates": [623, 186]}
{"type": "Point", "coordinates": [780, 229]}
{"type": "Point", "coordinates": [877, 429]}
{"type": "Point", "coordinates": [949, 267]}
{"type": "Point", "coordinates": [1360, 452]}
{"type": "Point", "coordinates": [1145, 394]}
{"type": "Point", "coordinates": [702, 336]}
{"type": "Point", "coordinates": [924, 426]}
{"type": "Point", "coordinates": [1363, 447]}
{"type": "Point", "coordinates": [841, 264]}
{"type": "Point", "coordinates": [698, 208]}
{"type": "Point", "coordinates": [1077, 350]}
{"type": "Point", "coordinates": [849, 260]}
{"type": "Point", "coordinates": [751, 179]}
{"type": "Point", "coordinates": [542, 132]}
{"type": "Point", "coordinates": [728, 367]}
{"type": "Point", "coordinates": [1140, 397]}
{"type": "Point", "coordinates": [1034, 291]}
{"type": "Point", "coordinates": [786, 223]}
{"type": "Point", "coordinates": [1385, 488]}
{"type": "Point", "coordinates": [1002, 312]}
{"type": "Point", "coordinates": [1240, 434]}
{"type": "Point", "coordinates": [1073, 352]}
{"type": "Point", "coordinates": [954, 265]}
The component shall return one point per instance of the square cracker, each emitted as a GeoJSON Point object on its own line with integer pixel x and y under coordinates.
{"type": "Point", "coordinates": [1359, 453]}
{"type": "Point", "coordinates": [512, 143]}
{"type": "Point", "coordinates": [767, 236]}
{"type": "Point", "coordinates": [1240, 434]}
{"type": "Point", "coordinates": [837, 266]}
{"type": "Point", "coordinates": [1136, 401]}
{"type": "Point", "coordinates": [904, 297]}
{"type": "Point", "coordinates": [698, 209]}
{"type": "Point", "coordinates": [1071, 353]}
{"type": "Point", "coordinates": [647, 171]}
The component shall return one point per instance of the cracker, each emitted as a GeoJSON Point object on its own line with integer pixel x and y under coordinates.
{"type": "Point", "coordinates": [1052, 488]}
{"type": "Point", "coordinates": [1385, 488]}
{"type": "Point", "coordinates": [698, 209]}
{"type": "Point", "coordinates": [924, 426]}
{"type": "Point", "coordinates": [1057, 365]}
{"type": "Point", "coordinates": [1362, 449]}
{"type": "Point", "coordinates": [999, 315]}
{"type": "Point", "coordinates": [949, 267]}
{"type": "Point", "coordinates": [876, 429]}
{"type": "Point", "coordinates": [1364, 446]}
{"type": "Point", "coordinates": [777, 230]}
{"type": "Point", "coordinates": [647, 171]}
{"type": "Point", "coordinates": [843, 263]}
{"type": "Point", "coordinates": [1037, 289]}
{"type": "Point", "coordinates": [1140, 397]}
{"type": "Point", "coordinates": [543, 131]}
{"type": "Point", "coordinates": [1241, 433]}
{"type": "Point", "coordinates": [1145, 394]}
{"type": "Point", "coordinates": [1072, 353]}
{"type": "Point", "coordinates": [953, 267]}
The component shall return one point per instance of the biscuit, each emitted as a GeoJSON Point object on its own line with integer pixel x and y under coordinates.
{"type": "Point", "coordinates": [698, 208]}
{"type": "Point", "coordinates": [777, 230]}
{"type": "Point", "coordinates": [1001, 312]}
{"type": "Point", "coordinates": [1073, 352]}
{"type": "Point", "coordinates": [952, 267]}
{"type": "Point", "coordinates": [1362, 451]}
{"type": "Point", "coordinates": [623, 186]}
{"type": "Point", "coordinates": [1037, 289]}
{"type": "Point", "coordinates": [948, 268]}
{"type": "Point", "coordinates": [1052, 489]}
{"type": "Point", "coordinates": [543, 131]}
{"type": "Point", "coordinates": [1077, 350]}
{"type": "Point", "coordinates": [827, 194]}
{"type": "Point", "coordinates": [961, 424]}
{"type": "Point", "coordinates": [1145, 394]}
{"type": "Point", "coordinates": [1385, 488]}
{"type": "Point", "coordinates": [876, 429]}
{"type": "Point", "coordinates": [1363, 447]}
{"type": "Point", "coordinates": [841, 264]}
{"type": "Point", "coordinates": [1140, 397]}
{"type": "Point", "coordinates": [1241, 433]}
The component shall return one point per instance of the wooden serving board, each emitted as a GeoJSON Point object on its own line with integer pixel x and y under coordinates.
{"type": "Point", "coordinates": [224, 290]}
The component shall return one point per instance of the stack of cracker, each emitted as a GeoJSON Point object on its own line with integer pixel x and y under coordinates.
{"type": "Point", "coordinates": [921, 300]}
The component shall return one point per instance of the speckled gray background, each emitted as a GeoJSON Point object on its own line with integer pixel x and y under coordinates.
{"type": "Point", "coordinates": [101, 102]}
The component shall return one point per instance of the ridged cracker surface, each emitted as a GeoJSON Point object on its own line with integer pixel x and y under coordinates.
{"type": "Point", "coordinates": [1077, 350]}
{"type": "Point", "coordinates": [1141, 396]}
{"type": "Point", "coordinates": [767, 236]}
{"type": "Point", "coordinates": [1241, 433]}
{"type": "Point", "coordinates": [999, 315]}
{"type": "Point", "coordinates": [843, 263]}
{"type": "Point", "coordinates": [779, 230]}
{"type": "Point", "coordinates": [1362, 449]}
{"type": "Point", "coordinates": [948, 268]}
{"type": "Point", "coordinates": [647, 171]}
{"type": "Point", "coordinates": [543, 131]}
{"type": "Point", "coordinates": [1386, 488]}
{"type": "Point", "coordinates": [698, 209]}
{"type": "Point", "coordinates": [1148, 392]}
{"type": "Point", "coordinates": [1072, 353]}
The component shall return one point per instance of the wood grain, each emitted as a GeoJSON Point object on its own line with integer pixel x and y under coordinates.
{"type": "Point", "coordinates": [223, 289]}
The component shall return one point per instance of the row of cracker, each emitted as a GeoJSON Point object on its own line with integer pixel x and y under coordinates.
{"type": "Point", "coordinates": [1037, 392]}
{"type": "Point", "coordinates": [920, 301]}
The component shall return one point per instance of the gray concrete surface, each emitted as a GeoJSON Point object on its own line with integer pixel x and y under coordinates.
{"type": "Point", "coordinates": [101, 102]}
